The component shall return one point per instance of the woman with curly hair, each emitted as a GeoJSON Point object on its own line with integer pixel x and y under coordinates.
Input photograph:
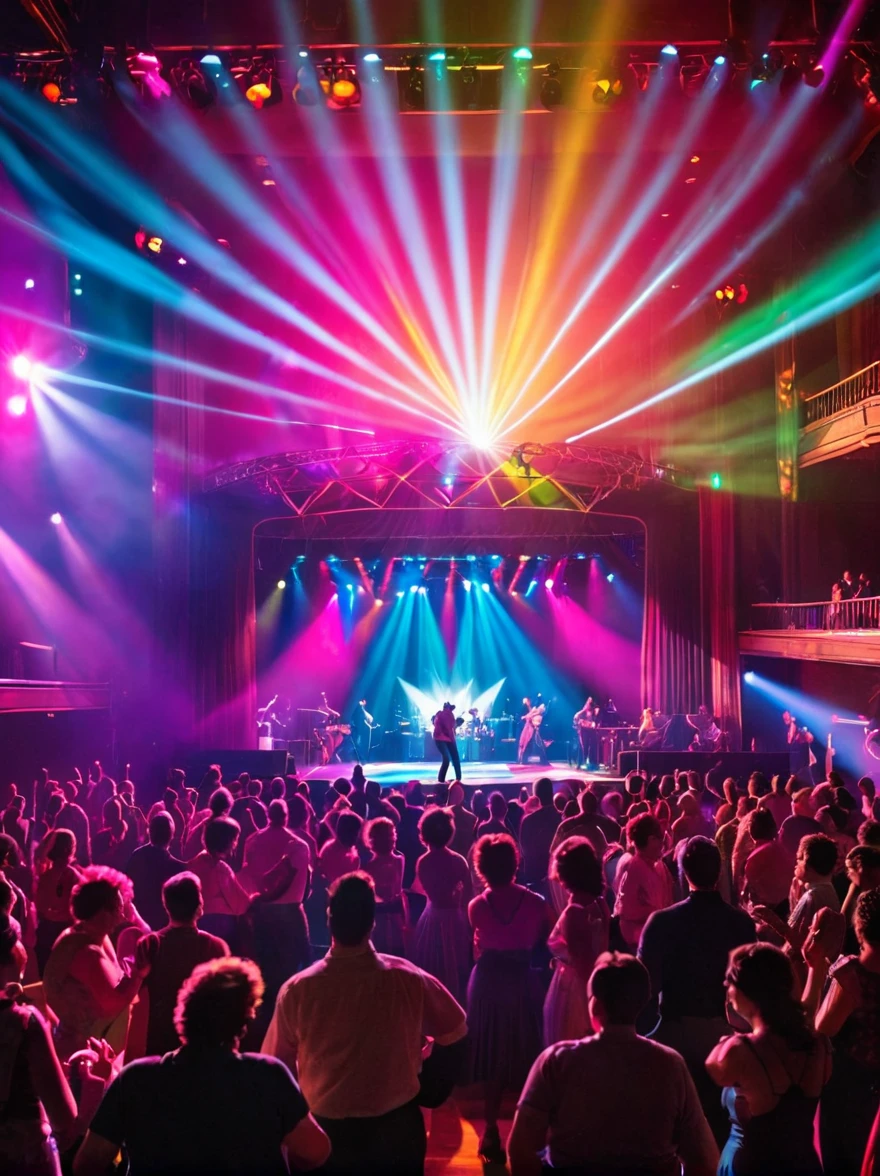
{"type": "Point", "coordinates": [772, 1075]}
{"type": "Point", "coordinates": [504, 994]}
{"type": "Point", "coordinates": [578, 939]}
{"type": "Point", "coordinates": [441, 941]}
{"type": "Point", "coordinates": [86, 987]}
{"type": "Point", "coordinates": [206, 1107]}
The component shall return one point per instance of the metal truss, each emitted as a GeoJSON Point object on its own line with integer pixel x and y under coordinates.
{"type": "Point", "coordinates": [408, 475]}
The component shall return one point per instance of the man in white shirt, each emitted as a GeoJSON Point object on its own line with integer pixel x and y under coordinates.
{"type": "Point", "coordinates": [353, 1026]}
{"type": "Point", "coordinates": [281, 930]}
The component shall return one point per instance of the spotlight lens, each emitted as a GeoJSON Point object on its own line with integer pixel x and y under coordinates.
{"type": "Point", "coordinates": [16, 405]}
{"type": "Point", "coordinates": [399, 595]}
{"type": "Point", "coordinates": [372, 58]}
{"type": "Point", "coordinates": [51, 92]}
{"type": "Point", "coordinates": [523, 53]}
{"type": "Point", "coordinates": [749, 676]}
{"type": "Point", "coordinates": [258, 93]}
{"type": "Point", "coordinates": [343, 89]}
{"type": "Point", "coordinates": [29, 284]}
{"type": "Point", "coordinates": [610, 577]}
{"type": "Point", "coordinates": [305, 53]}
{"type": "Point", "coordinates": [282, 583]}
{"type": "Point", "coordinates": [719, 60]}
{"type": "Point", "coordinates": [485, 587]}
{"type": "Point", "coordinates": [669, 51]}
{"type": "Point", "coordinates": [440, 55]}
{"type": "Point", "coordinates": [715, 481]}
{"type": "Point", "coordinates": [413, 587]}
{"type": "Point", "coordinates": [55, 518]}
{"type": "Point", "coordinates": [21, 367]}
{"type": "Point", "coordinates": [548, 584]}
{"type": "Point", "coordinates": [211, 59]}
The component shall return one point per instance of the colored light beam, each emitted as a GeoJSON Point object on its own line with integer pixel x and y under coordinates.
{"type": "Point", "coordinates": [102, 175]}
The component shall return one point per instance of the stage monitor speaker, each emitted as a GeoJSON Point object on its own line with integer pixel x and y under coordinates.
{"type": "Point", "coordinates": [738, 764]}
{"type": "Point", "coordinates": [260, 764]}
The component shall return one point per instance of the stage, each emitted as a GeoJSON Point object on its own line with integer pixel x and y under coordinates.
{"type": "Point", "coordinates": [506, 778]}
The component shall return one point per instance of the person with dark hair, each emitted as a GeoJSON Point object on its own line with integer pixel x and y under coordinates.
{"type": "Point", "coordinates": [685, 949]}
{"type": "Point", "coordinates": [643, 883]}
{"type": "Point", "coordinates": [802, 821]}
{"type": "Point", "coordinates": [339, 855]}
{"type": "Point", "coordinates": [169, 957]}
{"type": "Point", "coordinates": [464, 820]}
{"type": "Point", "coordinates": [112, 844]}
{"type": "Point", "coordinates": [814, 871]}
{"type": "Point", "coordinates": [504, 996]}
{"type": "Point", "coordinates": [536, 833]}
{"type": "Point", "coordinates": [71, 816]}
{"type": "Point", "coordinates": [219, 805]}
{"type": "Point", "coordinates": [150, 867]}
{"type": "Point", "coordinates": [849, 1014]}
{"type": "Point", "coordinates": [497, 819]}
{"type": "Point", "coordinates": [587, 822]}
{"type": "Point", "coordinates": [13, 953]}
{"type": "Point", "coordinates": [205, 1107]}
{"type": "Point", "coordinates": [273, 856]}
{"type": "Point", "coordinates": [354, 1025]}
{"type": "Point", "coordinates": [774, 1074]}
{"type": "Point", "coordinates": [576, 942]}
{"type": "Point", "coordinates": [444, 741]}
{"type": "Point", "coordinates": [54, 888]}
{"type": "Point", "coordinates": [769, 868]}
{"type": "Point", "coordinates": [613, 1102]}
{"type": "Point", "coordinates": [85, 985]}
{"type": "Point", "coordinates": [35, 1097]}
{"type": "Point", "coordinates": [224, 898]}
{"type": "Point", "coordinates": [777, 801]}
{"type": "Point", "coordinates": [441, 942]}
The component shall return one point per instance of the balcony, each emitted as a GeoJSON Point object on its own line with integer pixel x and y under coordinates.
{"type": "Point", "coordinates": [821, 630]}
{"type": "Point", "coordinates": [842, 419]}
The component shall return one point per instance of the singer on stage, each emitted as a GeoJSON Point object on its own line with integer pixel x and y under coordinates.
{"type": "Point", "coordinates": [444, 741]}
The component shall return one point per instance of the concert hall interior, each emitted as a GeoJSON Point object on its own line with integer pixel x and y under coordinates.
{"type": "Point", "coordinates": [412, 393]}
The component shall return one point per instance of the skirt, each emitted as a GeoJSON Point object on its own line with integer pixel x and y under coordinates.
{"type": "Point", "coordinates": [441, 945]}
{"type": "Point", "coordinates": [504, 1018]}
{"type": "Point", "coordinates": [566, 1008]}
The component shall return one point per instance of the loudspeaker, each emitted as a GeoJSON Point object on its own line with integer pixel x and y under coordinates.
{"type": "Point", "coordinates": [738, 764]}
{"type": "Point", "coordinates": [261, 764]}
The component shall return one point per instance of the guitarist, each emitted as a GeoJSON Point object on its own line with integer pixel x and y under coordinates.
{"type": "Point", "coordinates": [585, 723]}
{"type": "Point", "coordinates": [530, 741]}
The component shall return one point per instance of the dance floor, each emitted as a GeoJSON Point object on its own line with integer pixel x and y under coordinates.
{"type": "Point", "coordinates": [475, 775]}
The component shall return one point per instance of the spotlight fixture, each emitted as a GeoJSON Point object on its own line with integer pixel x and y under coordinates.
{"type": "Point", "coordinates": [17, 405]}
{"type": "Point", "coordinates": [606, 89]}
{"type": "Point", "coordinates": [345, 90]}
{"type": "Point", "coordinates": [51, 91]}
{"type": "Point", "coordinates": [716, 481]}
{"type": "Point", "coordinates": [610, 577]}
{"type": "Point", "coordinates": [522, 53]}
{"type": "Point", "coordinates": [307, 88]}
{"type": "Point", "coordinates": [29, 283]}
{"type": "Point", "coordinates": [372, 59]}
{"type": "Point", "coordinates": [21, 367]}
{"type": "Point", "coordinates": [669, 51]}
{"type": "Point", "coordinates": [414, 86]}
{"type": "Point", "coordinates": [749, 676]}
{"type": "Point", "coordinates": [551, 87]}
{"type": "Point", "coordinates": [282, 584]}
{"type": "Point", "coordinates": [55, 518]}
{"type": "Point", "coordinates": [195, 82]}
{"type": "Point", "coordinates": [485, 587]}
{"type": "Point", "coordinates": [548, 583]}
{"type": "Point", "coordinates": [145, 69]}
{"type": "Point", "coordinates": [413, 588]}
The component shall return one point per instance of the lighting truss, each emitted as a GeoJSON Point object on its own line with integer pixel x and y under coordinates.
{"type": "Point", "coordinates": [425, 475]}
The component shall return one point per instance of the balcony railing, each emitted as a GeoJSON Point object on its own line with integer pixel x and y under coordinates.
{"type": "Point", "coordinates": [848, 393]}
{"type": "Point", "coordinates": [863, 613]}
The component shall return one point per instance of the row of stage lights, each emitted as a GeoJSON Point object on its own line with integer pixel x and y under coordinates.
{"type": "Point", "coordinates": [340, 81]}
{"type": "Point", "coordinates": [547, 571]}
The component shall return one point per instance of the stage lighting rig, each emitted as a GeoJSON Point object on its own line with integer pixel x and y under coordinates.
{"type": "Point", "coordinates": [197, 83]}
{"type": "Point", "coordinates": [345, 89]}
{"type": "Point", "coordinates": [145, 70]}
{"type": "Point", "coordinates": [257, 78]}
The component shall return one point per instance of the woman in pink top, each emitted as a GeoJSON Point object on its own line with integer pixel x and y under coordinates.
{"type": "Point", "coordinates": [769, 868]}
{"type": "Point", "coordinates": [643, 883]}
{"type": "Point", "coordinates": [504, 992]}
{"type": "Point", "coordinates": [578, 939]}
{"type": "Point", "coordinates": [339, 855]}
{"type": "Point", "coordinates": [385, 867]}
{"type": "Point", "coordinates": [442, 941]}
{"type": "Point", "coordinates": [224, 898]}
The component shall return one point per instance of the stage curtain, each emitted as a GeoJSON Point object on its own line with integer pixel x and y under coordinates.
{"type": "Point", "coordinates": [718, 607]}
{"type": "Point", "coordinates": [203, 664]}
{"type": "Point", "coordinates": [674, 669]}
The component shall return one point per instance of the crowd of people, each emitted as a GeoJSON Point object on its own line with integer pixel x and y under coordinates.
{"type": "Point", "coordinates": [679, 976]}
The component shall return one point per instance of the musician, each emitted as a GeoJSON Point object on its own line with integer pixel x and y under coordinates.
{"type": "Point", "coordinates": [585, 723]}
{"type": "Point", "coordinates": [278, 715]}
{"type": "Point", "coordinates": [445, 726]}
{"type": "Point", "coordinates": [649, 734]}
{"type": "Point", "coordinates": [363, 726]}
{"type": "Point", "coordinates": [328, 733]}
{"type": "Point", "coordinates": [708, 737]}
{"type": "Point", "coordinates": [530, 741]}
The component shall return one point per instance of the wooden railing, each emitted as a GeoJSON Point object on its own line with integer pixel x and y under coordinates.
{"type": "Point", "coordinates": [863, 613]}
{"type": "Point", "coordinates": [848, 393]}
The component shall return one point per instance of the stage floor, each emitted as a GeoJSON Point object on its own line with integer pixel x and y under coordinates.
{"type": "Point", "coordinates": [474, 775]}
